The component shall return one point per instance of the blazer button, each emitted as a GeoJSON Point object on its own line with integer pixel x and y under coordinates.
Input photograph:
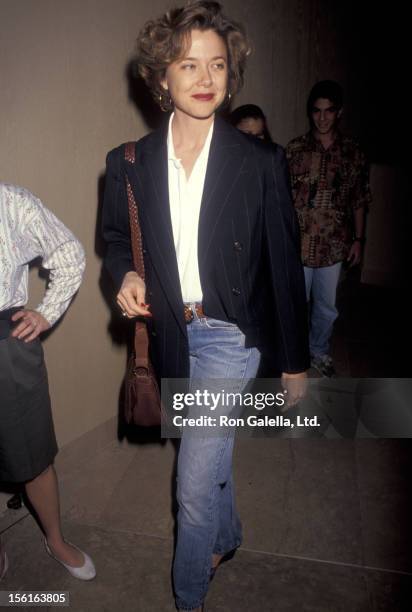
{"type": "Point", "coordinates": [153, 333]}
{"type": "Point", "coordinates": [235, 291]}
{"type": "Point", "coordinates": [238, 246]}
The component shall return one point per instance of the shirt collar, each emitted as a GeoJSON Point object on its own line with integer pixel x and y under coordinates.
{"type": "Point", "coordinates": [316, 144]}
{"type": "Point", "coordinates": [171, 155]}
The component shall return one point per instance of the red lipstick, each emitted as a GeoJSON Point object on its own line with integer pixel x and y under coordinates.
{"type": "Point", "coordinates": [203, 97]}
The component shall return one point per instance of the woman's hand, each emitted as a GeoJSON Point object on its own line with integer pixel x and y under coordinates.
{"type": "Point", "coordinates": [31, 325]}
{"type": "Point", "coordinates": [295, 386]}
{"type": "Point", "coordinates": [132, 295]}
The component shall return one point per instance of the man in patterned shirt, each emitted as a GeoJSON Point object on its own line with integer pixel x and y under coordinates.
{"type": "Point", "coordinates": [330, 188]}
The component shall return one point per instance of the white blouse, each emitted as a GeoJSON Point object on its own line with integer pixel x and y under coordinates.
{"type": "Point", "coordinates": [185, 197]}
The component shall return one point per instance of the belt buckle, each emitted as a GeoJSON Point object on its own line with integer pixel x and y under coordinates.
{"type": "Point", "coordinates": [199, 311]}
{"type": "Point", "coordinates": [189, 316]}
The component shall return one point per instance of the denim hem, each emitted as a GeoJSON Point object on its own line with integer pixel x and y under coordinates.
{"type": "Point", "coordinates": [227, 550]}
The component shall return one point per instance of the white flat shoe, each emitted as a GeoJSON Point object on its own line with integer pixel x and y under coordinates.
{"type": "Point", "coordinates": [87, 571]}
{"type": "Point", "coordinates": [5, 565]}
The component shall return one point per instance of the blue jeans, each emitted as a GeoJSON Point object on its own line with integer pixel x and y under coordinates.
{"type": "Point", "coordinates": [207, 519]}
{"type": "Point", "coordinates": [321, 284]}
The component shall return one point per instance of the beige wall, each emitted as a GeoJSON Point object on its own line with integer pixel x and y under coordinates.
{"type": "Point", "coordinates": [64, 103]}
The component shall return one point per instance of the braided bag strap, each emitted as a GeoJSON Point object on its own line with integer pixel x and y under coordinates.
{"type": "Point", "coordinates": [141, 340]}
{"type": "Point", "coordinates": [136, 235]}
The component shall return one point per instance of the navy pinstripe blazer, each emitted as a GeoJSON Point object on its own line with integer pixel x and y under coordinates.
{"type": "Point", "coordinates": [248, 246]}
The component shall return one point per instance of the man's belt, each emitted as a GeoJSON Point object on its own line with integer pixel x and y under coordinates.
{"type": "Point", "coordinates": [190, 312]}
{"type": "Point", "coordinates": [5, 321]}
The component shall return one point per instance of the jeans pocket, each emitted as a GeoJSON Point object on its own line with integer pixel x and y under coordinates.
{"type": "Point", "coordinates": [216, 324]}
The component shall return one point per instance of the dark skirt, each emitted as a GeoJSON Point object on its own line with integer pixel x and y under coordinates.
{"type": "Point", "coordinates": [27, 439]}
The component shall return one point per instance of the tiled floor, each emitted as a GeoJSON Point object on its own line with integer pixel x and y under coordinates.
{"type": "Point", "coordinates": [326, 522]}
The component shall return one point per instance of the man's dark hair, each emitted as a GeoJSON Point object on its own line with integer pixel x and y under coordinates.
{"type": "Point", "coordinates": [325, 89]}
{"type": "Point", "coordinates": [246, 111]}
{"type": "Point", "coordinates": [250, 111]}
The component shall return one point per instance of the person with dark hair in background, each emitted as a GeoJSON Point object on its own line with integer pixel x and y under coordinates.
{"type": "Point", "coordinates": [206, 226]}
{"type": "Point", "coordinates": [29, 230]}
{"type": "Point", "coordinates": [330, 188]}
{"type": "Point", "coordinates": [250, 119]}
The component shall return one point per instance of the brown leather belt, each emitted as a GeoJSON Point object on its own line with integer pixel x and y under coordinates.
{"type": "Point", "coordinates": [189, 314]}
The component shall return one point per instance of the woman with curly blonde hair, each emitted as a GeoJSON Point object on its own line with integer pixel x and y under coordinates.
{"type": "Point", "coordinates": [221, 255]}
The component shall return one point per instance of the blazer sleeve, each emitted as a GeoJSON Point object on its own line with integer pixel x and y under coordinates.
{"type": "Point", "coordinates": [115, 220]}
{"type": "Point", "coordinates": [288, 286]}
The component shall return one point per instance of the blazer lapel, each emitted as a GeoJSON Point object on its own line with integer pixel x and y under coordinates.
{"type": "Point", "coordinates": [149, 180]}
{"type": "Point", "coordinates": [227, 160]}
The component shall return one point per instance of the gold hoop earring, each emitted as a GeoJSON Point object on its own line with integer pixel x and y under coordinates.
{"type": "Point", "coordinates": [165, 102]}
